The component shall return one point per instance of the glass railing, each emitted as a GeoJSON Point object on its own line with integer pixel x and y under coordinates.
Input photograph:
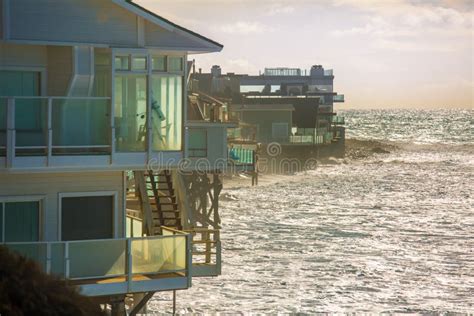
{"type": "Point", "coordinates": [56, 125]}
{"type": "Point", "coordinates": [159, 255]}
{"type": "Point", "coordinates": [80, 124]}
{"type": "Point", "coordinates": [241, 155]}
{"type": "Point", "coordinates": [338, 98]}
{"type": "Point", "coordinates": [107, 258]}
{"type": "Point", "coordinates": [302, 139]}
{"type": "Point", "coordinates": [336, 119]}
{"type": "Point", "coordinates": [31, 127]}
{"type": "Point", "coordinates": [3, 126]}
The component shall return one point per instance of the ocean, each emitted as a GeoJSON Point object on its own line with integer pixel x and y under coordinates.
{"type": "Point", "coordinates": [390, 232]}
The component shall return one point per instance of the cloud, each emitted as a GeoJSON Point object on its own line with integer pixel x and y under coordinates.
{"type": "Point", "coordinates": [411, 46]}
{"type": "Point", "coordinates": [242, 27]}
{"type": "Point", "coordinates": [405, 26]}
{"type": "Point", "coordinates": [278, 9]}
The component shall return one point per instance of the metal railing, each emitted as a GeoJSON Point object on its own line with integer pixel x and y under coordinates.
{"type": "Point", "coordinates": [336, 119]}
{"type": "Point", "coordinates": [241, 155]}
{"type": "Point", "coordinates": [110, 258]}
{"type": "Point", "coordinates": [306, 139]}
{"type": "Point", "coordinates": [338, 98]}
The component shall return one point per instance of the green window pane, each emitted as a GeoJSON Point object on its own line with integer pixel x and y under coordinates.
{"type": "Point", "coordinates": [166, 111]}
{"type": "Point", "coordinates": [21, 221]}
{"type": "Point", "coordinates": [176, 64]}
{"type": "Point", "coordinates": [122, 63]}
{"type": "Point", "coordinates": [159, 63]}
{"type": "Point", "coordinates": [130, 112]}
{"type": "Point", "coordinates": [139, 63]}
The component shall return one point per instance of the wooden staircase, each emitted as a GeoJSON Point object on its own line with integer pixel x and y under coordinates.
{"type": "Point", "coordinates": [162, 197]}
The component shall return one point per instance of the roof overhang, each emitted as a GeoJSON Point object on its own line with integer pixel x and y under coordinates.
{"type": "Point", "coordinates": [211, 46]}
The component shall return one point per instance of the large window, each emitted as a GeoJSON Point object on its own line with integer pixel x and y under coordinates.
{"type": "Point", "coordinates": [157, 81]}
{"type": "Point", "coordinates": [130, 112]}
{"type": "Point", "coordinates": [30, 114]}
{"type": "Point", "coordinates": [20, 221]}
{"type": "Point", "coordinates": [87, 217]}
{"type": "Point", "coordinates": [166, 109]}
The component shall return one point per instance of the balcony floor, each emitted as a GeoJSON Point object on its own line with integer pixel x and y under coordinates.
{"type": "Point", "coordinates": [135, 278]}
{"type": "Point", "coordinates": [139, 284]}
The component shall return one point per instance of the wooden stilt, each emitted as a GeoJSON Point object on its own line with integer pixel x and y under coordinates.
{"type": "Point", "coordinates": [174, 302]}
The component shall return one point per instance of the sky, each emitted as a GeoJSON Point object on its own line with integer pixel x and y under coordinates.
{"type": "Point", "coordinates": [384, 53]}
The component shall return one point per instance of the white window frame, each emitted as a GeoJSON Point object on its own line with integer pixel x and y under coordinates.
{"type": "Point", "coordinates": [25, 198]}
{"type": "Point", "coordinates": [149, 72]}
{"type": "Point", "coordinates": [115, 214]}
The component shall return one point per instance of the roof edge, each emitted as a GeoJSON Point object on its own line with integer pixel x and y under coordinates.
{"type": "Point", "coordinates": [167, 24]}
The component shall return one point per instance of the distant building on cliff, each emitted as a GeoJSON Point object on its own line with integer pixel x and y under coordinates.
{"type": "Point", "coordinates": [290, 106]}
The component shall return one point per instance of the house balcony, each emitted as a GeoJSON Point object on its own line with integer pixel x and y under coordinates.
{"type": "Point", "coordinates": [339, 98]}
{"type": "Point", "coordinates": [116, 266]}
{"type": "Point", "coordinates": [338, 120]}
{"type": "Point", "coordinates": [207, 145]}
{"type": "Point", "coordinates": [205, 246]}
{"type": "Point", "coordinates": [307, 139]}
{"type": "Point", "coordinates": [73, 132]}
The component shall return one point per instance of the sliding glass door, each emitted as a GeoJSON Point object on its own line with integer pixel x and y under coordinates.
{"type": "Point", "coordinates": [130, 112]}
{"type": "Point", "coordinates": [166, 112]}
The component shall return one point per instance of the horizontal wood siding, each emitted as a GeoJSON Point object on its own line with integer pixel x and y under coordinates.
{"type": "Point", "coordinates": [50, 185]}
{"type": "Point", "coordinates": [82, 21]}
{"type": "Point", "coordinates": [1, 19]}
{"type": "Point", "coordinates": [22, 56]}
{"type": "Point", "coordinates": [59, 69]}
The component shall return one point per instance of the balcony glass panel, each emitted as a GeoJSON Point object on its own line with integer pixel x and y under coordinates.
{"type": "Point", "coordinates": [163, 254]}
{"type": "Point", "coordinates": [159, 63]}
{"type": "Point", "coordinates": [57, 259]}
{"type": "Point", "coordinates": [34, 251]}
{"type": "Point", "coordinates": [31, 122]}
{"type": "Point", "coordinates": [338, 98]}
{"type": "Point", "coordinates": [3, 126]}
{"type": "Point", "coordinates": [166, 112]}
{"type": "Point", "coordinates": [130, 112]}
{"type": "Point", "coordinates": [80, 123]}
{"type": "Point", "coordinates": [97, 258]}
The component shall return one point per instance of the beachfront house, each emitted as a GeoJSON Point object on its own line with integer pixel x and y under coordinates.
{"type": "Point", "coordinates": [286, 105]}
{"type": "Point", "coordinates": [93, 129]}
